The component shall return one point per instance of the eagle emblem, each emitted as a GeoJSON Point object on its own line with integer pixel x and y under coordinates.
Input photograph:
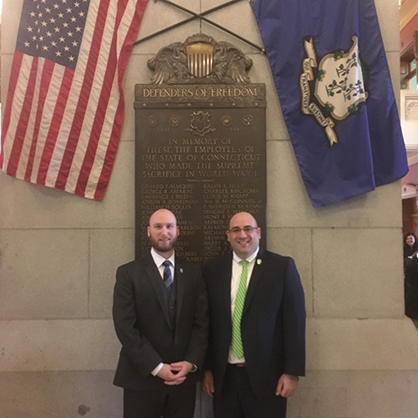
{"type": "Point", "coordinates": [200, 59]}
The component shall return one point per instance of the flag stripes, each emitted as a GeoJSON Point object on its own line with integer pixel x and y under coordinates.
{"type": "Point", "coordinates": [61, 125]}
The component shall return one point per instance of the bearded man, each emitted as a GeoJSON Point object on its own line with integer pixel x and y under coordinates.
{"type": "Point", "coordinates": [161, 319]}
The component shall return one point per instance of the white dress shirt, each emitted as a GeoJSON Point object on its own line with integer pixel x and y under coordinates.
{"type": "Point", "coordinates": [159, 260]}
{"type": "Point", "coordinates": [235, 279]}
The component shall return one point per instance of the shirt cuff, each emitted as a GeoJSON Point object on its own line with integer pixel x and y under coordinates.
{"type": "Point", "coordinates": [157, 369]}
{"type": "Point", "coordinates": [194, 368]}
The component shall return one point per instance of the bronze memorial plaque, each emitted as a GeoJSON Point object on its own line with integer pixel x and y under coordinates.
{"type": "Point", "coordinates": [200, 152]}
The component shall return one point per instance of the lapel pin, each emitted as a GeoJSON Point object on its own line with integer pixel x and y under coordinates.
{"type": "Point", "coordinates": [181, 270]}
{"type": "Point", "coordinates": [259, 261]}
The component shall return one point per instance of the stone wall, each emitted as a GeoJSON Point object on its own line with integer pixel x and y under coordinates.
{"type": "Point", "coordinates": [58, 255]}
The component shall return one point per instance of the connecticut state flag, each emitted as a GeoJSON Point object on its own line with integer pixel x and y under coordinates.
{"type": "Point", "coordinates": [333, 82]}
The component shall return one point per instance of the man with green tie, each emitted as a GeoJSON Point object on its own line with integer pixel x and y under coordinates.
{"type": "Point", "coordinates": [257, 327]}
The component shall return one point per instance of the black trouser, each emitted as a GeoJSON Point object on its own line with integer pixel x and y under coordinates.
{"type": "Point", "coordinates": [169, 402]}
{"type": "Point", "coordinates": [237, 399]}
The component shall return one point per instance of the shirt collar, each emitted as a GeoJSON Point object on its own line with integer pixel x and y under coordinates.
{"type": "Point", "coordinates": [159, 259]}
{"type": "Point", "coordinates": [249, 259]}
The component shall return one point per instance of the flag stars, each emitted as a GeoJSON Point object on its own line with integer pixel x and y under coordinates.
{"type": "Point", "coordinates": [45, 48]}
{"type": "Point", "coordinates": [44, 23]}
{"type": "Point", "coordinates": [62, 39]}
{"type": "Point", "coordinates": [53, 43]}
{"type": "Point", "coordinates": [65, 25]}
{"type": "Point", "coordinates": [39, 14]}
{"type": "Point", "coordinates": [33, 38]}
{"type": "Point", "coordinates": [48, 10]}
{"type": "Point", "coordinates": [41, 38]}
{"type": "Point", "coordinates": [56, 6]}
{"type": "Point", "coordinates": [57, 29]}
{"type": "Point", "coordinates": [52, 20]}
{"type": "Point", "coordinates": [75, 43]}
{"type": "Point", "coordinates": [66, 48]}
{"type": "Point", "coordinates": [71, 58]}
{"type": "Point", "coordinates": [69, 10]}
{"type": "Point", "coordinates": [70, 34]}
{"type": "Point", "coordinates": [60, 15]}
{"type": "Point", "coordinates": [76, 4]}
{"type": "Point", "coordinates": [27, 44]}
{"type": "Point", "coordinates": [78, 29]}
{"type": "Point", "coordinates": [73, 19]}
{"type": "Point", "coordinates": [30, 29]}
{"type": "Point", "coordinates": [81, 14]}
{"type": "Point", "coordinates": [49, 34]}
{"type": "Point", "coordinates": [32, 14]}
{"type": "Point", "coordinates": [58, 53]}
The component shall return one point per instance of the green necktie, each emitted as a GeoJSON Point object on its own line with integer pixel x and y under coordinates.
{"type": "Point", "coordinates": [239, 306]}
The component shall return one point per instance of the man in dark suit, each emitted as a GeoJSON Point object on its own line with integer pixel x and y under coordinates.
{"type": "Point", "coordinates": [257, 327]}
{"type": "Point", "coordinates": [160, 316]}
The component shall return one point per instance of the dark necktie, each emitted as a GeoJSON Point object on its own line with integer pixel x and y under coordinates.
{"type": "Point", "coordinates": [168, 278]}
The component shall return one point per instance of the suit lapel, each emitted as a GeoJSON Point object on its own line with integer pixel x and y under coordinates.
{"type": "Point", "coordinates": [225, 275]}
{"type": "Point", "coordinates": [257, 273]}
{"type": "Point", "coordinates": [156, 281]}
{"type": "Point", "coordinates": [179, 278]}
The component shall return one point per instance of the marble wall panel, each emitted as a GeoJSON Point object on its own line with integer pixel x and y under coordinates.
{"type": "Point", "coordinates": [43, 274]}
{"type": "Point", "coordinates": [388, 15]}
{"type": "Point", "coordinates": [378, 344]}
{"type": "Point", "coordinates": [352, 266]}
{"type": "Point", "coordinates": [6, 63]}
{"type": "Point", "coordinates": [158, 16]}
{"type": "Point", "coordinates": [296, 243]}
{"type": "Point", "coordinates": [323, 402]}
{"type": "Point", "coordinates": [58, 345]}
{"type": "Point", "coordinates": [239, 19]}
{"type": "Point", "coordinates": [137, 72]}
{"type": "Point", "coordinates": [383, 395]}
{"type": "Point", "coordinates": [59, 394]}
{"type": "Point", "coordinates": [394, 68]}
{"type": "Point", "coordinates": [109, 249]}
{"type": "Point", "coordinates": [11, 12]}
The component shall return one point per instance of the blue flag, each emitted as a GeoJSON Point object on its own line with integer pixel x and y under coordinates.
{"type": "Point", "coordinates": [334, 87]}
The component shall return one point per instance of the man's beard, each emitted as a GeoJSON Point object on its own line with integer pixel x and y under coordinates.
{"type": "Point", "coordinates": [160, 247]}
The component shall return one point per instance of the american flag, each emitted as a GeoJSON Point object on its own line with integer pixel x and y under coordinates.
{"type": "Point", "coordinates": [64, 109]}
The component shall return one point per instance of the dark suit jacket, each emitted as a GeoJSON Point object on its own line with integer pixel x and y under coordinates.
{"type": "Point", "coordinates": [272, 324]}
{"type": "Point", "coordinates": [142, 322]}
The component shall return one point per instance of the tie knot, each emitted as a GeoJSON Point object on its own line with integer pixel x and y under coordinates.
{"type": "Point", "coordinates": [167, 263]}
{"type": "Point", "coordinates": [244, 262]}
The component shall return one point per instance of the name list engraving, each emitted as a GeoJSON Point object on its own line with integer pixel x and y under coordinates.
{"type": "Point", "coordinates": [200, 152]}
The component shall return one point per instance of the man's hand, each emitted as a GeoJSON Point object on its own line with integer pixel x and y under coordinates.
{"type": "Point", "coordinates": [181, 368]}
{"type": "Point", "coordinates": [287, 385]}
{"type": "Point", "coordinates": [208, 385]}
{"type": "Point", "coordinates": [170, 375]}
